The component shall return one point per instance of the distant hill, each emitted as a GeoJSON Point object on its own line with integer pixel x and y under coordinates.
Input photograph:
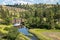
{"type": "Point", "coordinates": [11, 11]}
{"type": "Point", "coordinates": [27, 6]}
{"type": "Point", "coordinates": [12, 8]}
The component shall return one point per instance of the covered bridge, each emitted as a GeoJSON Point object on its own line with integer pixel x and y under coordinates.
{"type": "Point", "coordinates": [18, 22]}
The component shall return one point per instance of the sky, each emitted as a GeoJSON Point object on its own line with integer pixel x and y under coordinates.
{"type": "Point", "coordinates": [11, 2]}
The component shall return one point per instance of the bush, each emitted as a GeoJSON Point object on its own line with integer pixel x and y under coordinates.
{"type": "Point", "coordinates": [46, 26]}
{"type": "Point", "coordinates": [33, 22]}
{"type": "Point", "coordinates": [6, 28]}
{"type": "Point", "coordinates": [12, 34]}
{"type": "Point", "coordinates": [7, 21]}
{"type": "Point", "coordinates": [57, 26]}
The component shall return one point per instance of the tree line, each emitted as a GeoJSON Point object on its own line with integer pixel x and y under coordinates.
{"type": "Point", "coordinates": [37, 15]}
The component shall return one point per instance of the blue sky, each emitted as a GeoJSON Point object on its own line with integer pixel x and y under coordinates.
{"type": "Point", "coordinates": [4, 2]}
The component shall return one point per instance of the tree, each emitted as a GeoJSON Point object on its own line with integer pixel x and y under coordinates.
{"type": "Point", "coordinates": [51, 18]}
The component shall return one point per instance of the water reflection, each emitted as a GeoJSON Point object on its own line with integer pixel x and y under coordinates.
{"type": "Point", "coordinates": [24, 30]}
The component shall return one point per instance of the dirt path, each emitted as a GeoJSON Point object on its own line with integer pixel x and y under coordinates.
{"type": "Point", "coordinates": [53, 35]}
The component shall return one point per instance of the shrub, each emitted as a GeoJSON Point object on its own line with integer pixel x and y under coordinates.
{"type": "Point", "coordinates": [7, 21]}
{"type": "Point", "coordinates": [12, 34]}
{"type": "Point", "coordinates": [46, 26]}
{"type": "Point", "coordinates": [6, 28]}
{"type": "Point", "coordinates": [57, 26]}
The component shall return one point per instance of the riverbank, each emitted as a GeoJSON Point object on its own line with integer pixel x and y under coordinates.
{"type": "Point", "coordinates": [32, 36]}
{"type": "Point", "coordinates": [26, 32]}
{"type": "Point", "coordinates": [4, 33]}
{"type": "Point", "coordinates": [43, 34]}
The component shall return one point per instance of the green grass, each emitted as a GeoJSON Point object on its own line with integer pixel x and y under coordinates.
{"type": "Point", "coordinates": [39, 35]}
{"type": "Point", "coordinates": [2, 27]}
{"type": "Point", "coordinates": [4, 32]}
{"type": "Point", "coordinates": [22, 37]}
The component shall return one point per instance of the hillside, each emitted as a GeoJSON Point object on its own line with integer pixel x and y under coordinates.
{"type": "Point", "coordinates": [12, 8]}
{"type": "Point", "coordinates": [11, 12]}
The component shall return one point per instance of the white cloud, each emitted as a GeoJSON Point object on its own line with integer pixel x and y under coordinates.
{"type": "Point", "coordinates": [52, 1]}
{"type": "Point", "coordinates": [28, 1]}
{"type": "Point", "coordinates": [15, 1]}
{"type": "Point", "coordinates": [31, 0]}
{"type": "Point", "coordinates": [3, 3]}
{"type": "Point", "coordinates": [22, 2]}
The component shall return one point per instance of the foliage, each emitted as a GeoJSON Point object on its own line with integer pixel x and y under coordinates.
{"type": "Point", "coordinates": [11, 33]}
{"type": "Point", "coordinates": [34, 15]}
{"type": "Point", "coordinates": [57, 26]}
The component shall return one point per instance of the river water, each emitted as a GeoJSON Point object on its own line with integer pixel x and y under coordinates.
{"type": "Point", "coordinates": [25, 32]}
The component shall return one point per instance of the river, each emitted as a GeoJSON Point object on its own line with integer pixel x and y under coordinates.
{"type": "Point", "coordinates": [25, 32]}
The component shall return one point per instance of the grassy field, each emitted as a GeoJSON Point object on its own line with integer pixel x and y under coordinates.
{"type": "Point", "coordinates": [43, 34]}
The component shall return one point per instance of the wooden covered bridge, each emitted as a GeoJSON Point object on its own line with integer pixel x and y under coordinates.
{"type": "Point", "coordinates": [18, 22]}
